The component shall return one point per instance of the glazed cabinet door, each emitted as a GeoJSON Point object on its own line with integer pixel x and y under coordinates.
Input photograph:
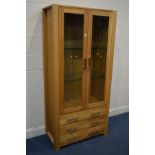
{"type": "Point", "coordinates": [98, 56]}
{"type": "Point", "coordinates": [72, 47]}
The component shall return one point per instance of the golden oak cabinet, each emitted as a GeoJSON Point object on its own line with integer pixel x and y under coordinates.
{"type": "Point", "coordinates": [78, 55]}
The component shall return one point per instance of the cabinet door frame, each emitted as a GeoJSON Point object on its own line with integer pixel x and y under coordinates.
{"type": "Point", "coordinates": [62, 11]}
{"type": "Point", "coordinates": [109, 57]}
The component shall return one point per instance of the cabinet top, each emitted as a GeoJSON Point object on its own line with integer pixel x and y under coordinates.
{"type": "Point", "coordinates": [69, 6]}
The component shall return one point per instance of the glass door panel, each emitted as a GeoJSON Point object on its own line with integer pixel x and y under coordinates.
{"type": "Point", "coordinates": [73, 58]}
{"type": "Point", "coordinates": [98, 58]}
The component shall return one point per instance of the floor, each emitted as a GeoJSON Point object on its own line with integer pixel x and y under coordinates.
{"type": "Point", "coordinates": [115, 143]}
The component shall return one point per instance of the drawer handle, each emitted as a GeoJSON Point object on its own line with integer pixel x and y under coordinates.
{"type": "Point", "coordinates": [71, 140]}
{"type": "Point", "coordinates": [95, 114]}
{"type": "Point", "coordinates": [93, 124]}
{"type": "Point", "coordinates": [93, 133]}
{"type": "Point", "coordinates": [72, 120]}
{"type": "Point", "coordinates": [72, 130]}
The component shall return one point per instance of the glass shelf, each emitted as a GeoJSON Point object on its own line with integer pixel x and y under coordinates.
{"type": "Point", "coordinates": [79, 48]}
{"type": "Point", "coordinates": [72, 78]}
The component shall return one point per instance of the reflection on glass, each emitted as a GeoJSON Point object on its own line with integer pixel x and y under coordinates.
{"type": "Point", "coordinates": [98, 58]}
{"type": "Point", "coordinates": [73, 50]}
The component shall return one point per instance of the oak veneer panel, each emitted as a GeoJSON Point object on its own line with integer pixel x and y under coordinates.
{"type": "Point", "coordinates": [82, 115]}
{"type": "Point", "coordinates": [78, 7]}
{"type": "Point", "coordinates": [84, 124]}
{"type": "Point", "coordinates": [51, 64]}
{"type": "Point", "coordinates": [82, 134]}
{"type": "Point", "coordinates": [109, 65]}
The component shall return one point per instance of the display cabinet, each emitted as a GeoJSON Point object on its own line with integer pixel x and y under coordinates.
{"type": "Point", "coordinates": [78, 55]}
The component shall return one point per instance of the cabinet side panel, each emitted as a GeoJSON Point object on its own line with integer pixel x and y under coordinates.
{"type": "Point", "coordinates": [53, 75]}
{"type": "Point", "coordinates": [111, 42]}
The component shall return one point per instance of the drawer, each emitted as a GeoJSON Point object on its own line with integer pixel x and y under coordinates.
{"type": "Point", "coordinates": [80, 135]}
{"type": "Point", "coordinates": [77, 126]}
{"type": "Point", "coordinates": [82, 115]}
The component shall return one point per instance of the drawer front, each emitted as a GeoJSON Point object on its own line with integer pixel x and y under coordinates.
{"type": "Point", "coordinates": [82, 134]}
{"type": "Point", "coordinates": [82, 115]}
{"type": "Point", "coordinates": [76, 127]}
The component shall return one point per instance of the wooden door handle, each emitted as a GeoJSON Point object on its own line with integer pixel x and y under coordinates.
{"type": "Point", "coordinates": [89, 63]}
{"type": "Point", "coordinates": [85, 64]}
